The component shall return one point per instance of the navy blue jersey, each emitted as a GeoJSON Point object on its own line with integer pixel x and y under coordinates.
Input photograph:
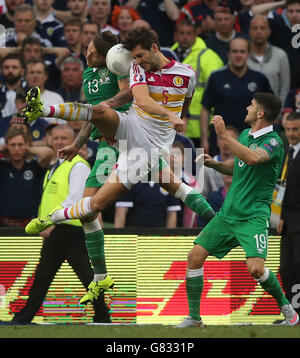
{"type": "Point", "coordinates": [148, 205]}
{"type": "Point", "coordinates": [154, 12]}
{"type": "Point", "coordinates": [20, 190]}
{"type": "Point", "coordinates": [52, 29]}
{"type": "Point", "coordinates": [37, 129]}
{"type": "Point", "coordinates": [230, 95]}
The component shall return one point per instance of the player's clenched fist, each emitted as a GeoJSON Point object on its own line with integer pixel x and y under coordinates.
{"type": "Point", "coordinates": [219, 125]}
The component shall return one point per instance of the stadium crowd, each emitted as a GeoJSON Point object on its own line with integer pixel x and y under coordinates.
{"type": "Point", "coordinates": [237, 47]}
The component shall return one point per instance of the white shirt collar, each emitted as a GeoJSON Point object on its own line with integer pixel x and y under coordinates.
{"type": "Point", "coordinates": [297, 148]}
{"type": "Point", "coordinates": [261, 132]}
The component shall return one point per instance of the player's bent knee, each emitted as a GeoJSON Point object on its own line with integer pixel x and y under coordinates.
{"type": "Point", "coordinates": [256, 271]}
{"type": "Point", "coordinates": [196, 257]}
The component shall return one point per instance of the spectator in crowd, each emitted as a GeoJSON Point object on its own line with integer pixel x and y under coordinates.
{"type": "Point", "coordinates": [180, 163]}
{"type": "Point", "coordinates": [192, 50]}
{"type": "Point", "coordinates": [100, 11]}
{"type": "Point", "coordinates": [228, 93]}
{"type": "Point", "coordinates": [291, 17]}
{"type": "Point", "coordinates": [71, 8]}
{"type": "Point", "coordinates": [289, 224]}
{"type": "Point", "coordinates": [72, 33]}
{"type": "Point", "coordinates": [71, 78]}
{"type": "Point", "coordinates": [52, 56]}
{"type": "Point", "coordinates": [78, 8]}
{"type": "Point", "coordinates": [281, 22]}
{"type": "Point", "coordinates": [48, 23]}
{"type": "Point", "coordinates": [161, 15]}
{"type": "Point", "coordinates": [261, 7]}
{"type": "Point", "coordinates": [201, 13]}
{"type": "Point", "coordinates": [36, 75]}
{"type": "Point", "coordinates": [21, 178]}
{"type": "Point", "coordinates": [25, 25]}
{"type": "Point", "coordinates": [224, 30]}
{"type": "Point", "coordinates": [146, 205]}
{"type": "Point", "coordinates": [213, 180]}
{"type": "Point", "coordinates": [65, 241]}
{"type": "Point", "coordinates": [164, 49]}
{"type": "Point", "coordinates": [89, 30]}
{"type": "Point", "coordinates": [32, 48]}
{"type": "Point", "coordinates": [20, 103]}
{"type": "Point", "coordinates": [122, 19]}
{"type": "Point", "coordinates": [7, 18]}
{"type": "Point", "coordinates": [246, 5]}
{"type": "Point", "coordinates": [37, 128]}
{"type": "Point", "coordinates": [48, 140]}
{"type": "Point", "coordinates": [12, 72]}
{"type": "Point", "coordinates": [292, 101]}
{"type": "Point", "coordinates": [272, 61]}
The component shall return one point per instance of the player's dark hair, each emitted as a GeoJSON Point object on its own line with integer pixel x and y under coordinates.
{"type": "Point", "coordinates": [104, 41]}
{"type": "Point", "coordinates": [295, 116]}
{"type": "Point", "coordinates": [270, 104]}
{"type": "Point", "coordinates": [140, 36]}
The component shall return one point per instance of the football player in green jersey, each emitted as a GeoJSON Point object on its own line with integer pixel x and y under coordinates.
{"type": "Point", "coordinates": [244, 217]}
{"type": "Point", "coordinates": [100, 86]}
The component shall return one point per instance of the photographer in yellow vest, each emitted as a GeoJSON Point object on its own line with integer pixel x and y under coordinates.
{"type": "Point", "coordinates": [63, 185]}
{"type": "Point", "coordinates": [193, 51]}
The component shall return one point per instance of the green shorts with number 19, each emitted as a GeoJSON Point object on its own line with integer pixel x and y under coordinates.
{"type": "Point", "coordinates": [221, 235]}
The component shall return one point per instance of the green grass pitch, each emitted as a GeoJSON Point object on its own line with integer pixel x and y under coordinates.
{"type": "Point", "coordinates": [148, 331]}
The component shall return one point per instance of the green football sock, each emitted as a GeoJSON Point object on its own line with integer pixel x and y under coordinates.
{"type": "Point", "coordinates": [270, 284]}
{"type": "Point", "coordinates": [95, 245]}
{"type": "Point", "coordinates": [196, 202]}
{"type": "Point", "coordinates": [194, 286]}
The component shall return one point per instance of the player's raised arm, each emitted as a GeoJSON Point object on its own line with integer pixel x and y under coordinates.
{"type": "Point", "coordinates": [149, 105]}
{"type": "Point", "coordinates": [247, 155]}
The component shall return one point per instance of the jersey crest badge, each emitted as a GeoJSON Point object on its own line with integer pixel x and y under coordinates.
{"type": "Point", "coordinates": [274, 142]}
{"type": "Point", "coordinates": [178, 81]}
{"type": "Point", "coordinates": [252, 86]}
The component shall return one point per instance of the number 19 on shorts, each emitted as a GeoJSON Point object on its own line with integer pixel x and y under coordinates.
{"type": "Point", "coordinates": [261, 242]}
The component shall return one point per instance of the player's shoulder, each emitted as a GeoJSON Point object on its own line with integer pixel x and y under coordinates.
{"type": "Point", "coordinates": [89, 71]}
{"type": "Point", "coordinates": [274, 139]}
{"type": "Point", "coordinates": [181, 68]}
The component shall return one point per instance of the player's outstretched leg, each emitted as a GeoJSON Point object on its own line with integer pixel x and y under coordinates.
{"type": "Point", "coordinates": [95, 246]}
{"type": "Point", "coordinates": [191, 197]}
{"type": "Point", "coordinates": [35, 108]}
{"type": "Point", "coordinates": [85, 208]}
{"type": "Point", "coordinates": [194, 286]}
{"type": "Point", "coordinates": [270, 283]}
{"type": "Point", "coordinates": [105, 119]}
